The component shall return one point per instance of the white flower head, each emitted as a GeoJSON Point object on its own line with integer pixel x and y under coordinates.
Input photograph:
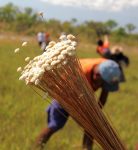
{"type": "Point", "coordinates": [74, 43]}
{"type": "Point", "coordinates": [63, 37]}
{"type": "Point", "coordinates": [16, 50]}
{"type": "Point", "coordinates": [60, 57]}
{"type": "Point", "coordinates": [70, 37]}
{"type": "Point", "coordinates": [52, 43]}
{"type": "Point", "coordinates": [37, 81]}
{"type": "Point", "coordinates": [24, 44]}
{"type": "Point", "coordinates": [64, 62]}
{"type": "Point", "coordinates": [23, 77]}
{"type": "Point", "coordinates": [64, 52]}
{"type": "Point", "coordinates": [27, 82]}
{"type": "Point", "coordinates": [41, 14]}
{"type": "Point", "coordinates": [27, 59]}
{"type": "Point", "coordinates": [72, 53]}
{"type": "Point", "coordinates": [19, 69]}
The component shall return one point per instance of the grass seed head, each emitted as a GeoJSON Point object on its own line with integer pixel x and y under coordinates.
{"type": "Point", "coordinates": [19, 69]}
{"type": "Point", "coordinates": [40, 14]}
{"type": "Point", "coordinates": [24, 44]}
{"type": "Point", "coordinates": [27, 59]}
{"type": "Point", "coordinates": [16, 50]}
{"type": "Point", "coordinates": [70, 37]}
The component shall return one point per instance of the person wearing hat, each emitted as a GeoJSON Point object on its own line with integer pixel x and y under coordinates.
{"type": "Point", "coordinates": [101, 74]}
{"type": "Point", "coordinates": [114, 53]}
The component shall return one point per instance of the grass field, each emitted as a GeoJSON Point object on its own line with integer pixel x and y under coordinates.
{"type": "Point", "coordinates": [22, 112]}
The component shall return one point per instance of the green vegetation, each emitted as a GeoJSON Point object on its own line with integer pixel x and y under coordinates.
{"type": "Point", "coordinates": [22, 111]}
{"type": "Point", "coordinates": [27, 22]}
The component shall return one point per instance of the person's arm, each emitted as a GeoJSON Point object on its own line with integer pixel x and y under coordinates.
{"type": "Point", "coordinates": [106, 41]}
{"type": "Point", "coordinates": [103, 98]}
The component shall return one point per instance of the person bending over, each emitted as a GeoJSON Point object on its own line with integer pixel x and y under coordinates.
{"type": "Point", "coordinates": [102, 74]}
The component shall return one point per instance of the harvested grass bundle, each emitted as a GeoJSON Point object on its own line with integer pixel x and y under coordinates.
{"type": "Point", "coordinates": [58, 72]}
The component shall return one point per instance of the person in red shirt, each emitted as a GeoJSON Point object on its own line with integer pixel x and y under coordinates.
{"type": "Point", "coordinates": [103, 47]}
{"type": "Point", "coordinates": [47, 38]}
{"type": "Point", "coordinates": [101, 74]}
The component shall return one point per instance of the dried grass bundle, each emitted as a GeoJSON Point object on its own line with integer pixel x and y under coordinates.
{"type": "Point", "coordinates": [58, 72]}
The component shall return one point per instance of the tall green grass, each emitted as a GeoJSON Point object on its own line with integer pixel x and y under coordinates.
{"type": "Point", "coordinates": [22, 111]}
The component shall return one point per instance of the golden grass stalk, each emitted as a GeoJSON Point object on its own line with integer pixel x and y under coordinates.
{"type": "Point", "coordinates": [59, 73]}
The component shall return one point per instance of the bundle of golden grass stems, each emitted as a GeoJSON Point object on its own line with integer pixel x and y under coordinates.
{"type": "Point", "coordinates": [58, 72]}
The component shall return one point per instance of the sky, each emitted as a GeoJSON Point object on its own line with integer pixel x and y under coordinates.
{"type": "Point", "coordinates": [123, 11]}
